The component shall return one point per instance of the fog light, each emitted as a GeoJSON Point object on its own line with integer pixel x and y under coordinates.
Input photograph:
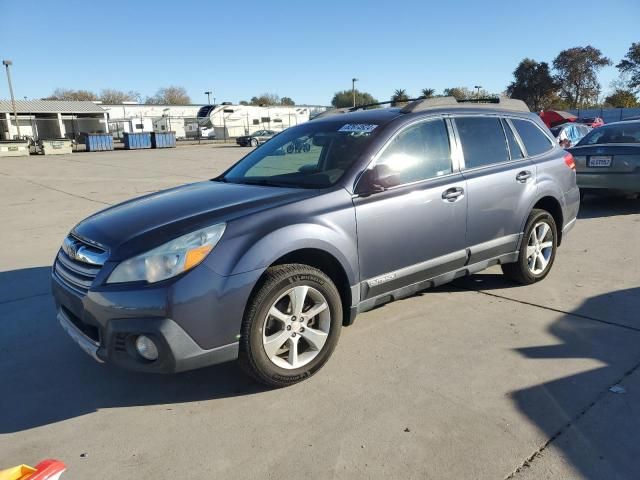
{"type": "Point", "coordinates": [146, 348]}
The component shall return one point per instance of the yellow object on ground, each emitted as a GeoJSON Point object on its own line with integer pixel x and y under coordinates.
{"type": "Point", "coordinates": [17, 473]}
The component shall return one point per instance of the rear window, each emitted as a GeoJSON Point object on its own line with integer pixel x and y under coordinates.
{"type": "Point", "coordinates": [483, 141]}
{"type": "Point", "coordinates": [534, 140]}
{"type": "Point", "coordinates": [621, 133]}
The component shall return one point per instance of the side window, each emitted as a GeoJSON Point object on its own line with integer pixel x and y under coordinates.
{"type": "Point", "coordinates": [534, 140]}
{"type": "Point", "coordinates": [483, 141]}
{"type": "Point", "coordinates": [419, 152]}
{"type": "Point", "coordinates": [514, 147]}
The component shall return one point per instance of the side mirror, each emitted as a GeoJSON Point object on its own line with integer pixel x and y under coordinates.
{"type": "Point", "coordinates": [376, 179]}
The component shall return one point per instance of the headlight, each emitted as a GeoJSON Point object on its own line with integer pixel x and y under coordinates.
{"type": "Point", "coordinates": [170, 259]}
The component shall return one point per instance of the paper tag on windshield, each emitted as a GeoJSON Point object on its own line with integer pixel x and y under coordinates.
{"type": "Point", "coordinates": [358, 127]}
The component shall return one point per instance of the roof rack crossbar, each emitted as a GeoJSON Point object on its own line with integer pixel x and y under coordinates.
{"type": "Point", "coordinates": [503, 103]}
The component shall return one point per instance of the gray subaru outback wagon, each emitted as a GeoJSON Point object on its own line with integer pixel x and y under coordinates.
{"type": "Point", "coordinates": [268, 261]}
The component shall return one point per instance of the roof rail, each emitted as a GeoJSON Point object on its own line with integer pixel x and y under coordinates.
{"type": "Point", "coordinates": [503, 103]}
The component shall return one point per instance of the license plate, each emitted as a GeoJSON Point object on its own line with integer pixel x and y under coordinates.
{"type": "Point", "coordinates": [599, 161]}
{"type": "Point", "coordinates": [13, 149]}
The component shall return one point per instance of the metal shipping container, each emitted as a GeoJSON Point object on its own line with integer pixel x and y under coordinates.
{"type": "Point", "coordinates": [163, 140]}
{"type": "Point", "coordinates": [98, 142]}
{"type": "Point", "coordinates": [135, 141]}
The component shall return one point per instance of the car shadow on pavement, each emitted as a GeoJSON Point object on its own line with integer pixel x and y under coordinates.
{"type": "Point", "coordinates": [597, 206]}
{"type": "Point", "coordinates": [46, 378]}
{"type": "Point", "coordinates": [603, 444]}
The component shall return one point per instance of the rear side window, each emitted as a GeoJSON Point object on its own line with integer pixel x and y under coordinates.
{"type": "Point", "coordinates": [419, 152]}
{"type": "Point", "coordinates": [534, 140]}
{"type": "Point", "coordinates": [483, 141]}
{"type": "Point", "coordinates": [514, 147]}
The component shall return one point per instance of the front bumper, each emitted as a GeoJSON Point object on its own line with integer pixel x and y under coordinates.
{"type": "Point", "coordinates": [194, 320]}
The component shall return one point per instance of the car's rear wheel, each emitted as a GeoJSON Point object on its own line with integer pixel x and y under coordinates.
{"type": "Point", "coordinates": [291, 325]}
{"type": "Point", "coordinates": [538, 250]}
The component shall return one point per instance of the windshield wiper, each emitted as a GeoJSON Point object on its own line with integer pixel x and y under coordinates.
{"type": "Point", "coordinates": [264, 182]}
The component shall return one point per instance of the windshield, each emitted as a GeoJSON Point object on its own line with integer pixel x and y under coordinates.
{"type": "Point", "coordinates": [259, 133]}
{"type": "Point", "coordinates": [621, 133]}
{"type": "Point", "coordinates": [312, 155]}
{"type": "Point", "coordinates": [556, 131]}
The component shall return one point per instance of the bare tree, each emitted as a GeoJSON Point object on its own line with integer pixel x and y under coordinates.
{"type": "Point", "coordinates": [169, 96]}
{"type": "Point", "coordinates": [70, 94]}
{"type": "Point", "coordinates": [110, 96]}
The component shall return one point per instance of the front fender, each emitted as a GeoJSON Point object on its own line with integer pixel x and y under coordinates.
{"type": "Point", "coordinates": [325, 222]}
{"type": "Point", "coordinates": [301, 236]}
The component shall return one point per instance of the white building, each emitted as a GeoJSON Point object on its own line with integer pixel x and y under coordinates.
{"type": "Point", "coordinates": [47, 119]}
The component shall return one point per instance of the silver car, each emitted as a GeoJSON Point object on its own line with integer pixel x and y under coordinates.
{"type": "Point", "coordinates": [266, 262]}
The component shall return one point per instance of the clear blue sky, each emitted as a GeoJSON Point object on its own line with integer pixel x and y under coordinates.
{"type": "Point", "coordinates": [305, 50]}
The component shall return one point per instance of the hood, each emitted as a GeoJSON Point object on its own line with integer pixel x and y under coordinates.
{"type": "Point", "coordinates": [146, 222]}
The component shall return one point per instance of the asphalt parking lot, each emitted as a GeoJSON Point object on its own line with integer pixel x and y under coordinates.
{"type": "Point", "coordinates": [480, 379]}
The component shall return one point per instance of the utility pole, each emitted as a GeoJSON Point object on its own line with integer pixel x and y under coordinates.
{"type": "Point", "coordinates": [477, 87]}
{"type": "Point", "coordinates": [208, 94]}
{"type": "Point", "coordinates": [7, 64]}
{"type": "Point", "coordinates": [353, 90]}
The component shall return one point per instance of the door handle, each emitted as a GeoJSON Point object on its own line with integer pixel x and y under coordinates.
{"type": "Point", "coordinates": [452, 194]}
{"type": "Point", "coordinates": [523, 176]}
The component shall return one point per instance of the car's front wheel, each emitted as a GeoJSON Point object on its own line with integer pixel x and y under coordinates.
{"type": "Point", "coordinates": [254, 142]}
{"type": "Point", "coordinates": [538, 250]}
{"type": "Point", "coordinates": [291, 325]}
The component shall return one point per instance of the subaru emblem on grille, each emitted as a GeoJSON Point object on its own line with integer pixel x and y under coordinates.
{"type": "Point", "coordinates": [70, 247]}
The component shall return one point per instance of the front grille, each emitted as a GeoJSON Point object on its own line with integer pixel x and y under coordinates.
{"type": "Point", "coordinates": [78, 263]}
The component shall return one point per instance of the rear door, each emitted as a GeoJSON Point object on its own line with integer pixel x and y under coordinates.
{"type": "Point", "coordinates": [500, 185]}
{"type": "Point", "coordinates": [415, 229]}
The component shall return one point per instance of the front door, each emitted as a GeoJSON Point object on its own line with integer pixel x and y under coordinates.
{"type": "Point", "coordinates": [415, 228]}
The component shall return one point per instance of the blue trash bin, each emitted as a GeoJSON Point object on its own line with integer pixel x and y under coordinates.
{"type": "Point", "coordinates": [98, 142]}
{"type": "Point", "coordinates": [136, 141]}
{"type": "Point", "coordinates": [163, 140]}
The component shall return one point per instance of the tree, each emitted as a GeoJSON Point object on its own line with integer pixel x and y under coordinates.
{"type": "Point", "coordinates": [110, 96]}
{"type": "Point", "coordinates": [243, 102]}
{"type": "Point", "coordinates": [428, 92]}
{"type": "Point", "coordinates": [630, 65]}
{"type": "Point", "coordinates": [288, 101]}
{"type": "Point", "coordinates": [169, 96]}
{"type": "Point", "coordinates": [344, 99]}
{"type": "Point", "coordinates": [533, 84]}
{"type": "Point", "coordinates": [622, 99]}
{"type": "Point", "coordinates": [69, 94]}
{"type": "Point", "coordinates": [459, 93]}
{"type": "Point", "coordinates": [399, 97]}
{"type": "Point", "coordinates": [265, 99]}
{"type": "Point", "coordinates": [576, 76]}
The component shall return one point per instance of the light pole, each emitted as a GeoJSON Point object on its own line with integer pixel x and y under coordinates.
{"type": "Point", "coordinates": [208, 94]}
{"type": "Point", "coordinates": [353, 90]}
{"type": "Point", "coordinates": [477, 87]}
{"type": "Point", "coordinates": [7, 64]}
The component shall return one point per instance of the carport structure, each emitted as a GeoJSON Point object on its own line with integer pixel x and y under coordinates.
{"type": "Point", "coordinates": [47, 119]}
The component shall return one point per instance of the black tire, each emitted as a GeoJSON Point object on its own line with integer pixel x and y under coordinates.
{"type": "Point", "coordinates": [519, 271]}
{"type": "Point", "coordinates": [254, 142]}
{"type": "Point", "coordinates": [277, 280]}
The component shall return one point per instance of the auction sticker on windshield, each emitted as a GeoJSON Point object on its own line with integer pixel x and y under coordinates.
{"type": "Point", "coordinates": [358, 127]}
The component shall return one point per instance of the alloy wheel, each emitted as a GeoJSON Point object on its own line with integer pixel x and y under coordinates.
{"type": "Point", "coordinates": [296, 327]}
{"type": "Point", "coordinates": [539, 248]}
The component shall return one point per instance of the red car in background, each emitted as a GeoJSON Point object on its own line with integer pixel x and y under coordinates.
{"type": "Point", "coordinates": [593, 122]}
